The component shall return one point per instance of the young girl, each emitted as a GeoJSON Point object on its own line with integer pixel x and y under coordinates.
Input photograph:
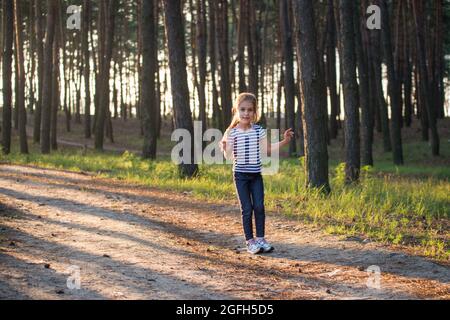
{"type": "Point", "coordinates": [243, 142]}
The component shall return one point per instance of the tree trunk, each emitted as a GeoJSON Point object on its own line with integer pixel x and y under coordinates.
{"type": "Point", "coordinates": [179, 86]}
{"type": "Point", "coordinates": [350, 89]}
{"type": "Point", "coordinates": [108, 12]}
{"type": "Point", "coordinates": [217, 115]}
{"type": "Point", "coordinates": [364, 92]}
{"type": "Point", "coordinates": [8, 28]}
{"type": "Point", "coordinates": [225, 84]}
{"type": "Point", "coordinates": [242, 36]}
{"type": "Point", "coordinates": [86, 70]}
{"type": "Point", "coordinates": [289, 83]}
{"type": "Point", "coordinates": [40, 57]}
{"type": "Point", "coordinates": [418, 9]}
{"type": "Point", "coordinates": [22, 113]}
{"type": "Point", "coordinates": [393, 86]}
{"type": "Point", "coordinates": [314, 112]}
{"type": "Point", "coordinates": [201, 54]}
{"type": "Point", "coordinates": [66, 73]}
{"type": "Point", "coordinates": [331, 71]}
{"type": "Point", "coordinates": [47, 77]}
{"type": "Point", "coordinates": [381, 108]}
{"type": "Point", "coordinates": [149, 115]}
{"type": "Point", "coordinates": [55, 95]}
{"type": "Point", "coordinates": [407, 71]}
{"type": "Point", "coordinates": [253, 52]}
{"type": "Point", "coordinates": [32, 60]}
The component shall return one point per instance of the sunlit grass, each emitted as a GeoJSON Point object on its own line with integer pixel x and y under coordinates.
{"type": "Point", "coordinates": [408, 205]}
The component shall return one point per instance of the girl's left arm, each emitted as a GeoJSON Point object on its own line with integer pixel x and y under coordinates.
{"type": "Point", "coordinates": [269, 147]}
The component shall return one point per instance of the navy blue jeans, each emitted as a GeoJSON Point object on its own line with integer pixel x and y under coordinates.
{"type": "Point", "coordinates": [250, 191]}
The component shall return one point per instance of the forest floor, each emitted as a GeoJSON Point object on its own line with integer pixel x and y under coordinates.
{"type": "Point", "coordinates": [135, 242]}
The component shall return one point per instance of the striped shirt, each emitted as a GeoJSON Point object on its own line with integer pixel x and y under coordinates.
{"type": "Point", "coordinates": [246, 148]}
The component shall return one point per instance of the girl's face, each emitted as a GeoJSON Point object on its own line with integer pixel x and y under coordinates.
{"type": "Point", "coordinates": [246, 112]}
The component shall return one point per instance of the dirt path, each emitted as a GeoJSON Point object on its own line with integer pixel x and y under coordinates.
{"type": "Point", "coordinates": [131, 242]}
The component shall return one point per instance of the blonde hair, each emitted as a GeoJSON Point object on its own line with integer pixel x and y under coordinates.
{"type": "Point", "coordinates": [244, 96]}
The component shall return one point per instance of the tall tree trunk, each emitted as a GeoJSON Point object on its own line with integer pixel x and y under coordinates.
{"type": "Point", "coordinates": [439, 57]}
{"type": "Point", "coordinates": [78, 83]}
{"type": "Point", "coordinates": [288, 57]}
{"type": "Point", "coordinates": [262, 64]}
{"type": "Point", "coordinates": [242, 36]}
{"type": "Point", "coordinates": [253, 52]}
{"type": "Point", "coordinates": [32, 60]}
{"type": "Point", "coordinates": [149, 116]}
{"type": "Point", "coordinates": [66, 73]}
{"type": "Point", "coordinates": [158, 80]}
{"type": "Point", "coordinates": [418, 10]}
{"type": "Point", "coordinates": [217, 115]}
{"type": "Point", "coordinates": [381, 107]}
{"type": "Point", "coordinates": [40, 57]}
{"type": "Point", "coordinates": [201, 54]}
{"type": "Point", "coordinates": [331, 71]}
{"type": "Point", "coordinates": [55, 94]}
{"type": "Point", "coordinates": [47, 77]}
{"type": "Point", "coordinates": [407, 69]}
{"type": "Point", "coordinates": [22, 113]}
{"type": "Point", "coordinates": [108, 8]}
{"type": "Point", "coordinates": [86, 70]}
{"type": "Point", "coordinates": [350, 89]}
{"type": "Point", "coordinates": [314, 119]}
{"type": "Point", "coordinates": [225, 84]}
{"type": "Point", "coordinates": [179, 86]}
{"type": "Point", "coordinates": [393, 86]}
{"type": "Point", "coordinates": [279, 93]}
{"type": "Point", "coordinates": [364, 91]}
{"type": "Point", "coordinates": [8, 28]}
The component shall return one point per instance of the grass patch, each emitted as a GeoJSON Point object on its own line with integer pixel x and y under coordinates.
{"type": "Point", "coordinates": [391, 204]}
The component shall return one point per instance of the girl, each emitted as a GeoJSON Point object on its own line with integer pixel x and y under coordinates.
{"type": "Point", "coordinates": [242, 142]}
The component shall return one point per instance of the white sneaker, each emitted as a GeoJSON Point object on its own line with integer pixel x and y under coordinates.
{"type": "Point", "coordinates": [264, 245]}
{"type": "Point", "coordinates": [253, 247]}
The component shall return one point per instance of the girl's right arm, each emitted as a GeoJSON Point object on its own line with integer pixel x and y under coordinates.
{"type": "Point", "coordinates": [226, 145]}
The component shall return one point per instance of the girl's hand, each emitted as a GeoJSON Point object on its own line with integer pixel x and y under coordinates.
{"type": "Point", "coordinates": [223, 145]}
{"type": "Point", "coordinates": [288, 135]}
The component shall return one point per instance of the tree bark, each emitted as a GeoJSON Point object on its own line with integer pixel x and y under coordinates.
{"type": "Point", "coordinates": [217, 114]}
{"type": "Point", "coordinates": [331, 71]}
{"type": "Point", "coordinates": [40, 68]}
{"type": "Point", "coordinates": [393, 86]}
{"type": "Point", "coordinates": [47, 77]}
{"type": "Point", "coordinates": [149, 115]}
{"type": "Point", "coordinates": [201, 54]}
{"type": "Point", "coordinates": [109, 9]}
{"type": "Point", "coordinates": [179, 86]}
{"type": "Point", "coordinates": [418, 10]}
{"type": "Point", "coordinates": [8, 28]}
{"type": "Point", "coordinates": [86, 69]}
{"type": "Point", "coordinates": [364, 92]}
{"type": "Point", "coordinates": [225, 84]}
{"type": "Point", "coordinates": [22, 114]}
{"type": "Point", "coordinates": [314, 119]}
{"type": "Point", "coordinates": [289, 83]}
{"type": "Point", "coordinates": [242, 36]}
{"type": "Point", "coordinates": [350, 89]}
{"type": "Point", "coordinates": [381, 105]}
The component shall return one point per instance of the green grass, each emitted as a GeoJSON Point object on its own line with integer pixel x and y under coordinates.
{"type": "Point", "coordinates": [400, 205]}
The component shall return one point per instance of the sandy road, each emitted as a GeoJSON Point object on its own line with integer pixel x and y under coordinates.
{"type": "Point", "coordinates": [132, 242]}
